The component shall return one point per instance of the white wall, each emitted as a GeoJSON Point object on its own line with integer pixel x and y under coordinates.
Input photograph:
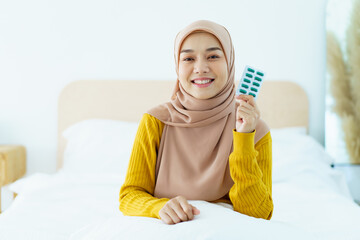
{"type": "Point", "coordinates": [44, 45]}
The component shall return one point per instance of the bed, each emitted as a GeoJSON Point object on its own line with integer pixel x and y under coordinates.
{"type": "Point", "coordinates": [80, 201]}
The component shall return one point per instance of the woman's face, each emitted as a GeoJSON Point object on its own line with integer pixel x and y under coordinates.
{"type": "Point", "coordinates": [202, 59]}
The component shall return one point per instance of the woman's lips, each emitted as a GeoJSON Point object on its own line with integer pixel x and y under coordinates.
{"type": "Point", "coordinates": [203, 85]}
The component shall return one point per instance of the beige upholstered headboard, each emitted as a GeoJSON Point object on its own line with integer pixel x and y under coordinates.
{"type": "Point", "coordinates": [282, 103]}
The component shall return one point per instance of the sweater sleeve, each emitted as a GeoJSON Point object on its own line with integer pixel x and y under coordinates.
{"type": "Point", "coordinates": [136, 194]}
{"type": "Point", "coordinates": [250, 169]}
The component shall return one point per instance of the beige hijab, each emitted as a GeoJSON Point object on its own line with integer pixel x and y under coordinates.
{"type": "Point", "coordinates": [197, 138]}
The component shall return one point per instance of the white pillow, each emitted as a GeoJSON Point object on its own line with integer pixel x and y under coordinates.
{"type": "Point", "coordinates": [287, 131]}
{"type": "Point", "coordinates": [293, 151]}
{"type": "Point", "coordinates": [99, 146]}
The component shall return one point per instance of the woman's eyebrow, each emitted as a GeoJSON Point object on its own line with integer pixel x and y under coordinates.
{"type": "Point", "coordinates": [208, 50]}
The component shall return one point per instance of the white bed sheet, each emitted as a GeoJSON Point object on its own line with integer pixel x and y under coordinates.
{"type": "Point", "coordinates": [311, 201]}
{"type": "Point", "coordinates": [52, 206]}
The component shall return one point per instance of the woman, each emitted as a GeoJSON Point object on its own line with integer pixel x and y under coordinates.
{"type": "Point", "coordinates": [205, 144]}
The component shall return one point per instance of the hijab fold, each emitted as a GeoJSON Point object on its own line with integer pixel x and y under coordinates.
{"type": "Point", "coordinates": [197, 138]}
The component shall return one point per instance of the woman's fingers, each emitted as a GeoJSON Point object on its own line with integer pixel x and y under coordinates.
{"type": "Point", "coordinates": [178, 208]}
{"type": "Point", "coordinates": [244, 116]}
{"type": "Point", "coordinates": [166, 218]}
{"type": "Point", "coordinates": [245, 104]}
{"type": "Point", "coordinates": [252, 107]}
{"type": "Point", "coordinates": [195, 210]}
{"type": "Point", "coordinates": [171, 212]}
{"type": "Point", "coordinates": [245, 97]}
{"type": "Point", "coordinates": [247, 113]}
{"type": "Point", "coordinates": [186, 208]}
{"type": "Point", "coordinates": [244, 109]}
{"type": "Point", "coordinates": [248, 99]}
{"type": "Point", "coordinates": [252, 102]}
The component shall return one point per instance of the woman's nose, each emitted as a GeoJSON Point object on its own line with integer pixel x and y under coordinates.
{"type": "Point", "coordinates": [201, 66]}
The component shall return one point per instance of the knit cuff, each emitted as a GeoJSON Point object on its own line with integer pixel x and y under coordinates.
{"type": "Point", "coordinates": [243, 142]}
{"type": "Point", "coordinates": [158, 206]}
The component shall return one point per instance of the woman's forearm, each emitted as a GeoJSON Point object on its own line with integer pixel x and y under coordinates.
{"type": "Point", "coordinates": [136, 202]}
{"type": "Point", "coordinates": [250, 170]}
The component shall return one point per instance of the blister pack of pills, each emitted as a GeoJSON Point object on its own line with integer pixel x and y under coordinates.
{"type": "Point", "coordinates": [250, 82]}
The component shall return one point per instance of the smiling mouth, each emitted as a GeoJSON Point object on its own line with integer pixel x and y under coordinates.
{"type": "Point", "coordinates": [199, 82]}
{"type": "Point", "coordinates": [203, 83]}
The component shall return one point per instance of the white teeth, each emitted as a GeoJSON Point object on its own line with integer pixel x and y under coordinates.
{"type": "Point", "coordinates": [202, 81]}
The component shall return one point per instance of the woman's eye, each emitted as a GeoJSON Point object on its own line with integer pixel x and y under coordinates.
{"type": "Point", "coordinates": [187, 59]}
{"type": "Point", "coordinates": [214, 56]}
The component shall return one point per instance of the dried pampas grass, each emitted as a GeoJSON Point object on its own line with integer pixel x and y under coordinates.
{"type": "Point", "coordinates": [345, 82]}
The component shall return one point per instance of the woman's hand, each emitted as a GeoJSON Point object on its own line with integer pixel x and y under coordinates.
{"type": "Point", "coordinates": [247, 113]}
{"type": "Point", "coordinates": [177, 210]}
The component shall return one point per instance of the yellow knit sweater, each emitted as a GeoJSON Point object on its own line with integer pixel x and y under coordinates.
{"type": "Point", "coordinates": [250, 169]}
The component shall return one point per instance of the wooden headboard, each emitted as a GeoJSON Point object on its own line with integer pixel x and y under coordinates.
{"type": "Point", "coordinates": [281, 103]}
